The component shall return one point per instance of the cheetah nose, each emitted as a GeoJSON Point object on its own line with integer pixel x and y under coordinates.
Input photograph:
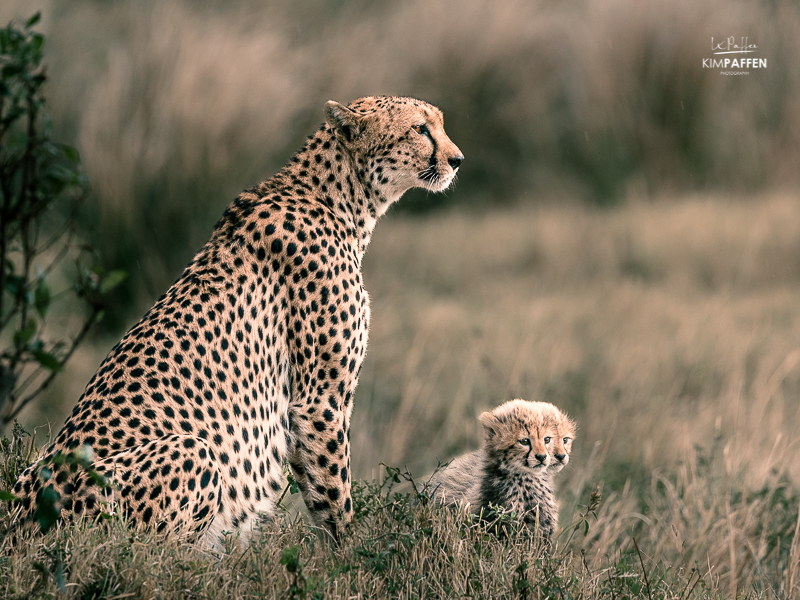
{"type": "Point", "coordinates": [560, 457]}
{"type": "Point", "coordinates": [541, 457]}
{"type": "Point", "coordinates": [455, 161]}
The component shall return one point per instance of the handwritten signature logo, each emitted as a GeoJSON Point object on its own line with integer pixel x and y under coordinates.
{"type": "Point", "coordinates": [729, 46]}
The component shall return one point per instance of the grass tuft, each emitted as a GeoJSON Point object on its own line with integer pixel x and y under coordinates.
{"type": "Point", "coordinates": [400, 545]}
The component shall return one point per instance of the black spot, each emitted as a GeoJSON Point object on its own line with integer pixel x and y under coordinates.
{"type": "Point", "coordinates": [201, 514]}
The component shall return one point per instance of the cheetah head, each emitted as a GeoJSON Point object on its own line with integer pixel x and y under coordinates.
{"type": "Point", "coordinates": [396, 143]}
{"type": "Point", "coordinates": [564, 427]}
{"type": "Point", "coordinates": [518, 437]}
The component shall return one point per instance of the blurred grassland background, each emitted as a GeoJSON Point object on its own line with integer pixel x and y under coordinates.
{"type": "Point", "coordinates": [623, 240]}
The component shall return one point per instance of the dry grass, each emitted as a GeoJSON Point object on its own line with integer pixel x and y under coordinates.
{"type": "Point", "coordinates": [178, 106]}
{"type": "Point", "coordinates": [400, 548]}
{"type": "Point", "coordinates": [668, 329]}
{"type": "Point", "coordinates": [656, 325]}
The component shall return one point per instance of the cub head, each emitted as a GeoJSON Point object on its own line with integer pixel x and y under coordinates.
{"type": "Point", "coordinates": [518, 437]}
{"type": "Point", "coordinates": [395, 143]}
{"type": "Point", "coordinates": [565, 433]}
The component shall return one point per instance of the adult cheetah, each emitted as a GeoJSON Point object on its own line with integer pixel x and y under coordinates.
{"type": "Point", "coordinates": [253, 355]}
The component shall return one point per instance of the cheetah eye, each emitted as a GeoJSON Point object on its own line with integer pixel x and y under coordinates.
{"type": "Point", "coordinates": [422, 130]}
{"type": "Point", "coordinates": [566, 440]}
{"type": "Point", "coordinates": [525, 442]}
{"type": "Point", "coordinates": [547, 440]}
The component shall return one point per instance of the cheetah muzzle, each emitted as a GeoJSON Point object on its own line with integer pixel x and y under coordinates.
{"type": "Point", "coordinates": [252, 357]}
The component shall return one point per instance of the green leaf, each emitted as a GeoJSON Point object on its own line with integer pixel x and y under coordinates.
{"type": "Point", "coordinates": [33, 20]}
{"type": "Point", "coordinates": [7, 496]}
{"type": "Point", "coordinates": [41, 298]}
{"type": "Point", "coordinates": [290, 557]}
{"type": "Point", "coordinates": [15, 285]}
{"type": "Point", "coordinates": [84, 455]}
{"type": "Point", "coordinates": [48, 361]}
{"type": "Point", "coordinates": [293, 487]}
{"type": "Point", "coordinates": [24, 335]}
{"type": "Point", "coordinates": [70, 153]}
{"type": "Point", "coordinates": [47, 510]}
{"type": "Point", "coordinates": [98, 479]}
{"type": "Point", "coordinates": [37, 43]}
{"type": "Point", "coordinates": [112, 280]}
{"type": "Point", "coordinates": [61, 582]}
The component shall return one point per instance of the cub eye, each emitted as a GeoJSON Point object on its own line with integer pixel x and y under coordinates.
{"type": "Point", "coordinates": [566, 440]}
{"type": "Point", "coordinates": [547, 440]}
{"type": "Point", "coordinates": [525, 442]}
{"type": "Point", "coordinates": [421, 129]}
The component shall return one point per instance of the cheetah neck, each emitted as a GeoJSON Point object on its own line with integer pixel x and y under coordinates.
{"type": "Point", "coordinates": [332, 177]}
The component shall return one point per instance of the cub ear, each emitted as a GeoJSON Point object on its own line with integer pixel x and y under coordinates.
{"type": "Point", "coordinates": [490, 423]}
{"type": "Point", "coordinates": [345, 123]}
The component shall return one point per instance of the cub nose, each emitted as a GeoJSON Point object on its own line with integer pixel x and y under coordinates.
{"type": "Point", "coordinates": [541, 457]}
{"type": "Point", "coordinates": [560, 457]}
{"type": "Point", "coordinates": [455, 161]}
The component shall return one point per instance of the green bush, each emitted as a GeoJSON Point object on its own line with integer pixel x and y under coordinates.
{"type": "Point", "coordinates": [41, 187]}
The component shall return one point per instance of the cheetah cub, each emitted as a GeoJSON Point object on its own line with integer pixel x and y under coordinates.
{"type": "Point", "coordinates": [514, 468]}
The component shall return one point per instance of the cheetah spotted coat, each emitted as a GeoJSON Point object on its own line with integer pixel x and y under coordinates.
{"type": "Point", "coordinates": [252, 357]}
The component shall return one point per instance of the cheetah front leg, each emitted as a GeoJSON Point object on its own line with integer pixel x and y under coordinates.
{"type": "Point", "coordinates": [320, 451]}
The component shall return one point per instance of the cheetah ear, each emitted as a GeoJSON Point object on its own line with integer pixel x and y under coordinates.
{"type": "Point", "coordinates": [345, 123]}
{"type": "Point", "coordinates": [490, 423]}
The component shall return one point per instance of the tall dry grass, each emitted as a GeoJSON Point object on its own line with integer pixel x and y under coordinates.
{"type": "Point", "coordinates": [656, 325]}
